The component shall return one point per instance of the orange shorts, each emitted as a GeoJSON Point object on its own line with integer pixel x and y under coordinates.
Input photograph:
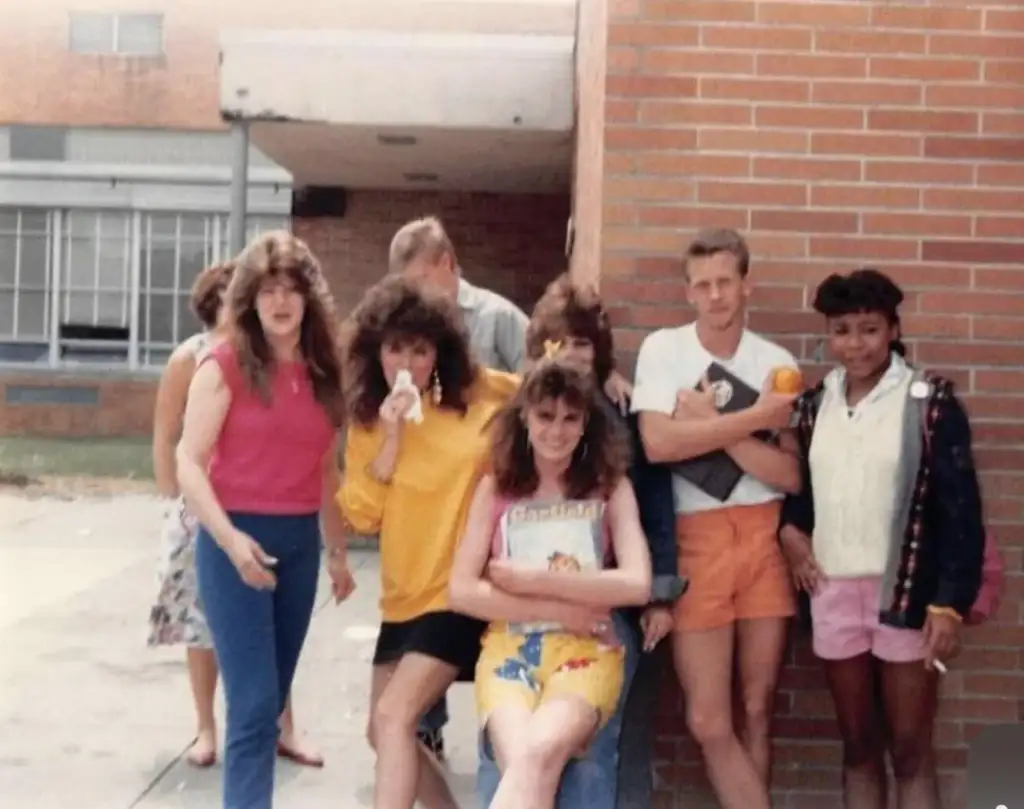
{"type": "Point", "coordinates": [735, 566]}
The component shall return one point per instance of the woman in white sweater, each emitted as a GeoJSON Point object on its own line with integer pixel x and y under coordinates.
{"type": "Point", "coordinates": [886, 538]}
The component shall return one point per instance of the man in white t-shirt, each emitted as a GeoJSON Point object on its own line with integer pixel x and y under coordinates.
{"type": "Point", "coordinates": [740, 597]}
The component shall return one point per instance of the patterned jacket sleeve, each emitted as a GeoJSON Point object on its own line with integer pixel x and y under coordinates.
{"type": "Point", "coordinates": [798, 509]}
{"type": "Point", "coordinates": [956, 497]}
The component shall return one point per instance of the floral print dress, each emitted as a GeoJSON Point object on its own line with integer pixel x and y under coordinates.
{"type": "Point", "coordinates": [177, 617]}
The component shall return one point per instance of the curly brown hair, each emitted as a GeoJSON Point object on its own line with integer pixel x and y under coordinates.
{"type": "Point", "coordinates": [399, 311]}
{"type": "Point", "coordinates": [279, 254]}
{"type": "Point", "coordinates": [206, 293]}
{"type": "Point", "coordinates": [568, 310]}
{"type": "Point", "coordinates": [599, 461]}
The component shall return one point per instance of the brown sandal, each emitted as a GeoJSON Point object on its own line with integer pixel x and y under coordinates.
{"type": "Point", "coordinates": [298, 757]}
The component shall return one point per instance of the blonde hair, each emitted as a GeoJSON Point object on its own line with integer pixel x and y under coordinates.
{"type": "Point", "coordinates": [421, 238]}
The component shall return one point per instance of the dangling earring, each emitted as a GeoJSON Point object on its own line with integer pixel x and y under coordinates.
{"type": "Point", "coordinates": [435, 387]}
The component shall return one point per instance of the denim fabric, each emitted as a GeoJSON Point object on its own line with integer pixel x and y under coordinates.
{"type": "Point", "coordinates": [437, 717]}
{"type": "Point", "coordinates": [258, 636]}
{"type": "Point", "coordinates": [590, 782]}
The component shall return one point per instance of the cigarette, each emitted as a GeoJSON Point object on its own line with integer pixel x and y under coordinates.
{"type": "Point", "coordinates": [940, 667]}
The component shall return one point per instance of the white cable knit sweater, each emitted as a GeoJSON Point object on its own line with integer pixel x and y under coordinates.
{"type": "Point", "coordinates": [853, 459]}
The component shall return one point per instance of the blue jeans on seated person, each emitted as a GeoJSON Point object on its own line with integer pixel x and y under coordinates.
{"type": "Point", "coordinates": [257, 637]}
{"type": "Point", "coordinates": [436, 718]}
{"type": "Point", "coordinates": [590, 782]}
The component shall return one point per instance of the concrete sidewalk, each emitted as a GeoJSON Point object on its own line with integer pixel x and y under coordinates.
{"type": "Point", "coordinates": [93, 719]}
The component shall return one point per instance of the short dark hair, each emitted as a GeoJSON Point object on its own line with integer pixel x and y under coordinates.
{"type": "Point", "coordinates": [713, 241]}
{"type": "Point", "coordinates": [207, 292]}
{"type": "Point", "coordinates": [565, 310]}
{"type": "Point", "coordinates": [861, 291]}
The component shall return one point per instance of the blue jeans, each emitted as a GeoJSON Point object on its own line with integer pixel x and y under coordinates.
{"type": "Point", "coordinates": [437, 717]}
{"type": "Point", "coordinates": [257, 637]}
{"type": "Point", "coordinates": [590, 782]}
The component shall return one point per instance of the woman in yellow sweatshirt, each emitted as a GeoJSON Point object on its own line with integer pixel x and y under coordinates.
{"type": "Point", "coordinates": [413, 458]}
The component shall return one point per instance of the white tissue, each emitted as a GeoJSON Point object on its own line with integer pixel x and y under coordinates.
{"type": "Point", "coordinates": [403, 381]}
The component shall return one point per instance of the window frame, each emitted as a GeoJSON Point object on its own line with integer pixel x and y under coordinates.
{"type": "Point", "coordinates": [116, 19]}
{"type": "Point", "coordinates": [62, 280]}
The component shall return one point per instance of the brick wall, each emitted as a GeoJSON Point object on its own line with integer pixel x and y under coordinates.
{"type": "Point", "coordinates": [513, 244]}
{"type": "Point", "coordinates": [837, 135]}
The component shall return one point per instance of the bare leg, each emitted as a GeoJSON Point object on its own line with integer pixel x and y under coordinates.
{"type": "Point", "coordinates": [202, 675]}
{"type": "Point", "coordinates": [760, 645]}
{"type": "Point", "coordinates": [556, 731]}
{"type": "Point", "coordinates": [291, 746]}
{"type": "Point", "coordinates": [703, 662]}
{"type": "Point", "coordinates": [910, 695]}
{"type": "Point", "coordinates": [406, 770]}
{"type": "Point", "coordinates": [854, 688]}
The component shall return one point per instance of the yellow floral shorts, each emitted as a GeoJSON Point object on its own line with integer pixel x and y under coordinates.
{"type": "Point", "coordinates": [530, 669]}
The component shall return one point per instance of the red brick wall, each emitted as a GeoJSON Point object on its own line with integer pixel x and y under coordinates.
{"type": "Point", "coordinates": [42, 82]}
{"type": "Point", "coordinates": [837, 135]}
{"type": "Point", "coordinates": [509, 243]}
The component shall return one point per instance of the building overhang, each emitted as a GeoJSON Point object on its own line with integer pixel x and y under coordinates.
{"type": "Point", "coordinates": [383, 109]}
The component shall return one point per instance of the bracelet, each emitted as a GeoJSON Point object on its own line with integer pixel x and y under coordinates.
{"type": "Point", "coordinates": [334, 552]}
{"type": "Point", "coordinates": [947, 611]}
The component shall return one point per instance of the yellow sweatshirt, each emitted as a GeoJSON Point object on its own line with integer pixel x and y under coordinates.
{"type": "Point", "coordinates": [421, 513]}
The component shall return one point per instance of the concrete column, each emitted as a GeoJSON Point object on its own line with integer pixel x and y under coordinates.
{"type": "Point", "coordinates": [239, 186]}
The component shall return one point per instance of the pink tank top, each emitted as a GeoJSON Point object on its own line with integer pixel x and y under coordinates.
{"type": "Point", "coordinates": [502, 504]}
{"type": "Point", "coordinates": [269, 458]}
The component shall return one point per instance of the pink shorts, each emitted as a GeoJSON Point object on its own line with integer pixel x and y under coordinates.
{"type": "Point", "coordinates": [844, 614]}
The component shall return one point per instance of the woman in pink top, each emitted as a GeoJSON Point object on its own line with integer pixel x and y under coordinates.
{"type": "Point", "coordinates": [553, 543]}
{"type": "Point", "coordinates": [257, 466]}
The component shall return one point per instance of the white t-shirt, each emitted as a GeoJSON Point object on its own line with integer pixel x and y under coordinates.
{"type": "Point", "coordinates": [672, 360]}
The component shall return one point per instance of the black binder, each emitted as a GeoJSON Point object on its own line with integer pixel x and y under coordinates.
{"type": "Point", "coordinates": [715, 473]}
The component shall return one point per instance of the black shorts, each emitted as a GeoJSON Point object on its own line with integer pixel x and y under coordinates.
{"type": "Point", "coordinates": [450, 637]}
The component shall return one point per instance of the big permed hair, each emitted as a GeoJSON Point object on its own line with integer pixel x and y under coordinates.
{"type": "Point", "coordinates": [603, 454]}
{"type": "Point", "coordinates": [397, 310]}
{"type": "Point", "coordinates": [279, 254]}
{"type": "Point", "coordinates": [568, 310]}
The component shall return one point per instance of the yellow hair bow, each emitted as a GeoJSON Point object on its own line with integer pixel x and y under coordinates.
{"type": "Point", "coordinates": [551, 348]}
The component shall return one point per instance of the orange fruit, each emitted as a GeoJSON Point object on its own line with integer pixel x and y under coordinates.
{"type": "Point", "coordinates": [787, 380]}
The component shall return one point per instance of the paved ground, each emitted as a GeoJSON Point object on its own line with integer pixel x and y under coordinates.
{"type": "Point", "coordinates": [93, 719]}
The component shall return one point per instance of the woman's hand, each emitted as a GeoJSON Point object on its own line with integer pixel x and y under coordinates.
{"type": "Point", "coordinates": [251, 561]}
{"type": "Point", "coordinates": [656, 623]}
{"type": "Point", "coordinates": [342, 582]}
{"type": "Point", "coordinates": [941, 637]}
{"type": "Point", "coordinates": [393, 409]}
{"type": "Point", "coordinates": [588, 622]}
{"type": "Point", "coordinates": [803, 567]}
{"type": "Point", "coordinates": [618, 389]}
{"type": "Point", "coordinates": [513, 578]}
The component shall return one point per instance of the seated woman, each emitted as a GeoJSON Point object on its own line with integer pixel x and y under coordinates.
{"type": "Point", "coordinates": [413, 457]}
{"type": "Point", "coordinates": [886, 537]}
{"type": "Point", "coordinates": [545, 689]}
{"type": "Point", "coordinates": [575, 319]}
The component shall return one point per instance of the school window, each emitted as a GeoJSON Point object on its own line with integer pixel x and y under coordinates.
{"type": "Point", "coordinates": [104, 288]}
{"type": "Point", "coordinates": [124, 34]}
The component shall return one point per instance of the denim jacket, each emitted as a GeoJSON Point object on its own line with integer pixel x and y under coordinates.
{"type": "Point", "coordinates": [652, 484]}
{"type": "Point", "coordinates": [938, 537]}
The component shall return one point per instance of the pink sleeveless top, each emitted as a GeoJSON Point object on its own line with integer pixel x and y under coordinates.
{"type": "Point", "coordinates": [269, 458]}
{"type": "Point", "coordinates": [502, 504]}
